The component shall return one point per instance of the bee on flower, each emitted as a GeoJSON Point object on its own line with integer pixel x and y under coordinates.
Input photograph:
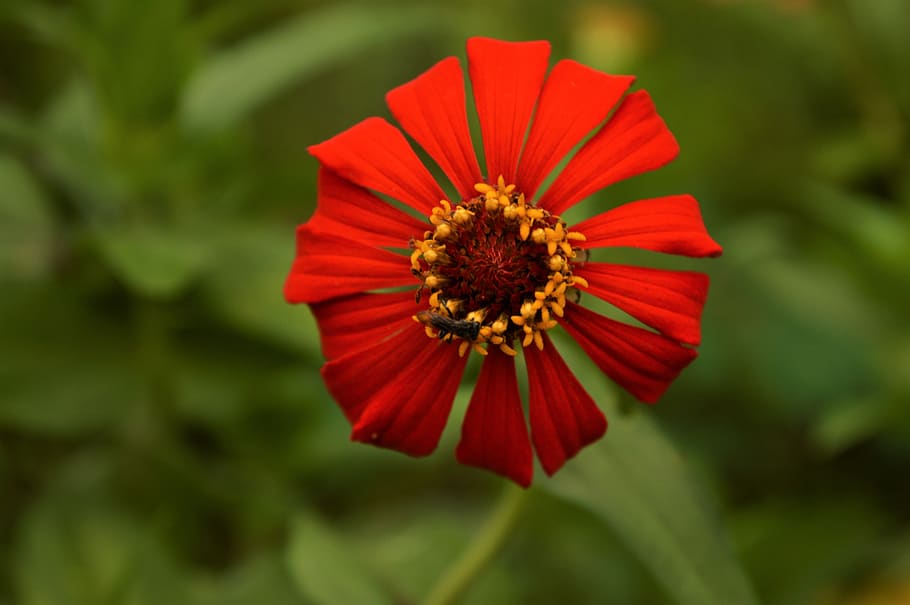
{"type": "Point", "coordinates": [495, 268]}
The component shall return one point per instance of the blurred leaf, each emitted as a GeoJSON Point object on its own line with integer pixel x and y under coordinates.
{"type": "Point", "coordinates": [424, 533]}
{"type": "Point", "coordinates": [792, 317]}
{"type": "Point", "coordinates": [882, 26]}
{"type": "Point", "coordinates": [849, 422]}
{"type": "Point", "coordinates": [43, 21]}
{"type": "Point", "coordinates": [326, 570]}
{"type": "Point", "coordinates": [69, 145]}
{"type": "Point", "coordinates": [796, 548]}
{"type": "Point", "coordinates": [14, 126]}
{"type": "Point", "coordinates": [137, 55]}
{"type": "Point", "coordinates": [262, 580]}
{"type": "Point", "coordinates": [238, 80]}
{"type": "Point", "coordinates": [77, 547]}
{"type": "Point", "coordinates": [26, 237]}
{"type": "Point", "coordinates": [246, 287]}
{"type": "Point", "coordinates": [635, 481]}
{"type": "Point", "coordinates": [63, 392]}
{"type": "Point", "coordinates": [154, 262]}
{"type": "Point", "coordinates": [877, 233]}
{"type": "Point", "coordinates": [73, 114]}
{"type": "Point", "coordinates": [63, 372]}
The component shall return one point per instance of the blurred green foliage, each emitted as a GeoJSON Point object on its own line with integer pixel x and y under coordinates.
{"type": "Point", "coordinates": [164, 434]}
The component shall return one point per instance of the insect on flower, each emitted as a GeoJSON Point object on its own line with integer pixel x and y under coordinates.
{"type": "Point", "coordinates": [495, 265]}
{"type": "Point", "coordinates": [447, 327]}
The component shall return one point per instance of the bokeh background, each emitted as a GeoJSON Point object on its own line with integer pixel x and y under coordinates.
{"type": "Point", "coordinates": [164, 434]}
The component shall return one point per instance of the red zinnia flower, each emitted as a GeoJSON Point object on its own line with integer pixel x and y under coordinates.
{"type": "Point", "coordinates": [497, 268]}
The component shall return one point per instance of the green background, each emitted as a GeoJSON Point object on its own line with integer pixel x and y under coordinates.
{"type": "Point", "coordinates": [165, 436]}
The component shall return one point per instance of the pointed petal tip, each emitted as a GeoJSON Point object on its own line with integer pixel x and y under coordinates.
{"type": "Point", "coordinates": [634, 140]}
{"type": "Point", "coordinates": [288, 291]}
{"type": "Point", "coordinates": [431, 108]}
{"type": "Point", "coordinates": [642, 362]}
{"type": "Point", "coordinates": [494, 435]}
{"type": "Point", "coordinates": [564, 417]}
{"type": "Point", "coordinates": [399, 392]}
{"type": "Point", "coordinates": [575, 98]}
{"type": "Point", "coordinates": [506, 78]}
{"type": "Point", "coordinates": [523, 477]}
{"type": "Point", "coordinates": [478, 41]}
{"type": "Point", "coordinates": [418, 449]}
{"type": "Point", "coordinates": [596, 433]}
{"type": "Point", "coordinates": [668, 301]}
{"type": "Point", "coordinates": [670, 224]}
{"type": "Point", "coordinates": [375, 155]}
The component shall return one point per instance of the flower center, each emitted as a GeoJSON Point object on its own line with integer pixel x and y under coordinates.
{"type": "Point", "coordinates": [494, 269]}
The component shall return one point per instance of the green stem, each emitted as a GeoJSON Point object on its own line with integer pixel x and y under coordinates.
{"type": "Point", "coordinates": [456, 580]}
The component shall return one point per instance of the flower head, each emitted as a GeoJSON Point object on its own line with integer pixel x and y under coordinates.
{"type": "Point", "coordinates": [493, 269]}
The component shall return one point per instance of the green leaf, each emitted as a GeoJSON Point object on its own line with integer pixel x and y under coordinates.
{"type": "Point", "coordinates": [25, 223]}
{"type": "Point", "coordinates": [77, 546]}
{"type": "Point", "coordinates": [848, 422]}
{"type": "Point", "coordinates": [65, 371]}
{"type": "Point", "coordinates": [326, 570]}
{"type": "Point", "coordinates": [154, 262]}
{"type": "Point", "coordinates": [875, 231]}
{"type": "Point", "coordinates": [636, 482]}
{"type": "Point", "coordinates": [826, 540]}
{"type": "Point", "coordinates": [68, 138]}
{"type": "Point", "coordinates": [246, 287]}
{"type": "Point", "coordinates": [14, 126]}
{"type": "Point", "coordinates": [262, 579]}
{"type": "Point", "coordinates": [238, 80]}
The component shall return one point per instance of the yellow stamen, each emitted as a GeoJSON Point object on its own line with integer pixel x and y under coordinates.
{"type": "Point", "coordinates": [498, 211]}
{"type": "Point", "coordinates": [443, 231]}
{"type": "Point", "coordinates": [579, 281]}
{"type": "Point", "coordinates": [524, 231]}
{"type": "Point", "coordinates": [434, 281]}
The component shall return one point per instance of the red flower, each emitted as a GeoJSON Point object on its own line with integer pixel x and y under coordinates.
{"type": "Point", "coordinates": [496, 268]}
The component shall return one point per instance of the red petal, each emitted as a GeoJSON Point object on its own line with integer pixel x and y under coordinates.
{"type": "Point", "coordinates": [374, 154]}
{"type": "Point", "coordinates": [506, 78]}
{"type": "Point", "coordinates": [668, 301]}
{"type": "Point", "coordinates": [642, 362]}
{"type": "Point", "coordinates": [431, 108]}
{"type": "Point", "coordinates": [575, 99]}
{"type": "Point", "coordinates": [494, 435]}
{"type": "Point", "coordinates": [409, 413]}
{"type": "Point", "coordinates": [564, 418]}
{"type": "Point", "coordinates": [356, 379]}
{"type": "Point", "coordinates": [671, 224]}
{"type": "Point", "coordinates": [328, 266]}
{"type": "Point", "coordinates": [347, 209]}
{"type": "Point", "coordinates": [633, 141]}
{"type": "Point", "coordinates": [350, 323]}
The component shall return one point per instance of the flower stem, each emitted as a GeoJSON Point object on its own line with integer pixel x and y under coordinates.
{"type": "Point", "coordinates": [457, 579]}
